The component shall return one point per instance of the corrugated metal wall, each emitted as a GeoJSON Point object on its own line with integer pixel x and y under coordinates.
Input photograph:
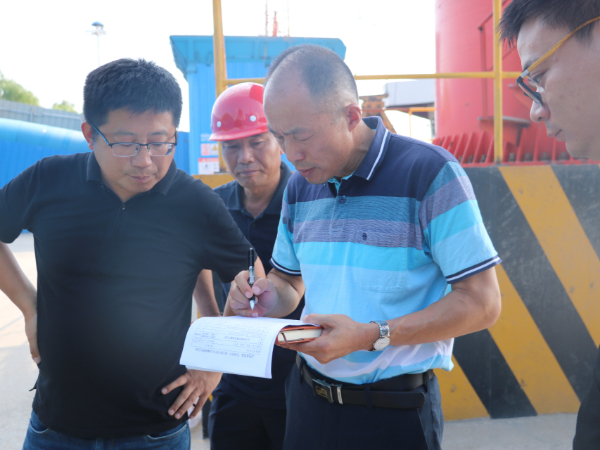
{"type": "Point", "coordinates": [35, 114]}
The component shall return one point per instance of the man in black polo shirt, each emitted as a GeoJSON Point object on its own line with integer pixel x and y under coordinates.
{"type": "Point", "coordinates": [121, 236]}
{"type": "Point", "coordinates": [249, 412]}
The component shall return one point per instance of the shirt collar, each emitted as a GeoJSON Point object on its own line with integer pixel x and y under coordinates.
{"type": "Point", "coordinates": [93, 169]}
{"type": "Point", "coordinates": [337, 182]}
{"type": "Point", "coordinates": [95, 174]}
{"type": "Point", "coordinates": [236, 201]}
{"type": "Point", "coordinates": [274, 206]}
{"type": "Point", "coordinates": [377, 148]}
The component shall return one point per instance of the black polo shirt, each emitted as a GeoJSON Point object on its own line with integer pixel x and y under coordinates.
{"type": "Point", "coordinates": [115, 283]}
{"type": "Point", "coordinates": [261, 232]}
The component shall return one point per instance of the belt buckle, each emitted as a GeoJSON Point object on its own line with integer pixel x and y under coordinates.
{"type": "Point", "coordinates": [325, 390]}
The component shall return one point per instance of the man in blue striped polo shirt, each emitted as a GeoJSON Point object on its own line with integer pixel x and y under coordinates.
{"type": "Point", "coordinates": [374, 227]}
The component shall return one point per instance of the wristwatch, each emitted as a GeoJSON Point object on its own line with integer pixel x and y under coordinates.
{"type": "Point", "coordinates": [384, 336]}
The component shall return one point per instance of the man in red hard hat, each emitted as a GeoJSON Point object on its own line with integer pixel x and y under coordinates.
{"type": "Point", "coordinates": [249, 412]}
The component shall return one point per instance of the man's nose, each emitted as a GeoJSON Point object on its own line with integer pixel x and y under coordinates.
{"type": "Point", "coordinates": [142, 158]}
{"type": "Point", "coordinates": [246, 154]}
{"type": "Point", "coordinates": [539, 113]}
{"type": "Point", "coordinates": [293, 152]}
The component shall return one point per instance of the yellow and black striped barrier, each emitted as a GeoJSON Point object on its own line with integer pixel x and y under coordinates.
{"type": "Point", "coordinates": [537, 359]}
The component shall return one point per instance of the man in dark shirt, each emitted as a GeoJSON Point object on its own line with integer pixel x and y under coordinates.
{"type": "Point", "coordinates": [121, 236]}
{"type": "Point", "coordinates": [559, 45]}
{"type": "Point", "coordinates": [249, 412]}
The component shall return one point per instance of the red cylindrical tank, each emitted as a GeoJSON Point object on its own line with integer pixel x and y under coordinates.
{"type": "Point", "coordinates": [465, 107]}
{"type": "Point", "coordinates": [464, 36]}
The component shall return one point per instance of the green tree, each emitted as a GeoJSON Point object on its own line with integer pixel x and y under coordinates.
{"type": "Point", "coordinates": [65, 106]}
{"type": "Point", "coordinates": [13, 91]}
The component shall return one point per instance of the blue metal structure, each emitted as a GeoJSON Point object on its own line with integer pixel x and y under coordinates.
{"type": "Point", "coordinates": [24, 143]}
{"type": "Point", "coordinates": [247, 57]}
{"type": "Point", "coordinates": [63, 140]}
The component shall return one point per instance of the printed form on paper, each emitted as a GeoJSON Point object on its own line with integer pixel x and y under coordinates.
{"type": "Point", "coordinates": [239, 345]}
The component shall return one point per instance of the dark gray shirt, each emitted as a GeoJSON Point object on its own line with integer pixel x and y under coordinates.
{"type": "Point", "coordinates": [261, 232]}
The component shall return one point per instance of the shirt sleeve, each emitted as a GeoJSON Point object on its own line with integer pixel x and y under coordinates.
{"type": "Point", "coordinates": [284, 256]}
{"type": "Point", "coordinates": [17, 203]}
{"type": "Point", "coordinates": [227, 247]}
{"type": "Point", "coordinates": [453, 228]}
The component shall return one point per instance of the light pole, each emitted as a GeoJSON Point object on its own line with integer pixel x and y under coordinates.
{"type": "Point", "coordinates": [99, 31]}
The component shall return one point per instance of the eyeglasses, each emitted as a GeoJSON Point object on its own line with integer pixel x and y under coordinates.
{"type": "Point", "coordinates": [536, 96]}
{"type": "Point", "coordinates": [128, 149]}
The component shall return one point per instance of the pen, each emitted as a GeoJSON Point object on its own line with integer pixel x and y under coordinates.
{"type": "Point", "coordinates": [251, 272]}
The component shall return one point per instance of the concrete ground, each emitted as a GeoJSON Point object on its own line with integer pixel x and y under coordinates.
{"type": "Point", "coordinates": [18, 374]}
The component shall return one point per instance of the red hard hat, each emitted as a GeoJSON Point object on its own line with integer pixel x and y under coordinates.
{"type": "Point", "coordinates": [238, 113]}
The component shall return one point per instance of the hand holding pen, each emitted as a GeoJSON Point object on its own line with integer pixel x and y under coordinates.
{"type": "Point", "coordinates": [243, 289]}
{"type": "Point", "coordinates": [251, 277]}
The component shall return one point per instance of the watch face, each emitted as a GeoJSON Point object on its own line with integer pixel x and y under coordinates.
{"type": "Point", "coordinates": [381, 343]}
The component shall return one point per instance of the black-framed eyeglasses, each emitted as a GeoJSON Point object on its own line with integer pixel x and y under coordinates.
{"type": "Point", "coordinates": [533, 95]}
{"type": "Point", "coordinates": [128, 149]}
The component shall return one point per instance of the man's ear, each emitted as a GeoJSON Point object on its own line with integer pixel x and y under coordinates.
{"type": "Point", "coordinates": [86, 129]}
{"type": "Point", "coordinates": [353, 115]}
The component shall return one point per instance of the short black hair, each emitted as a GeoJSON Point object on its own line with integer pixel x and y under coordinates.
{"type": "Point", "coordinates": [567, 14]}
{"type": "Point", "coordinates": [137, 85]}
{"type": "Point", "coordinates": [324, 73]}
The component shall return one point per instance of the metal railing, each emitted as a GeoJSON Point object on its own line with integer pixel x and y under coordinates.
{"type": "Point", "coordinates": [221, 80]}
{"type": "Point", "coordinates": [410, 111]}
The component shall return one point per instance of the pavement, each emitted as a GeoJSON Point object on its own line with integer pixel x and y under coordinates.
{"type": "Point", "coordinates": [18, 374]}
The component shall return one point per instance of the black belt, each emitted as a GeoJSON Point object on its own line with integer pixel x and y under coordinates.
{"type": "Point", "coordinates": [390, 393]}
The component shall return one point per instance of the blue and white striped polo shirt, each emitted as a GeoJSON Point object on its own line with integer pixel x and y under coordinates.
{"type": "Point", "coordinates": [383, 243]}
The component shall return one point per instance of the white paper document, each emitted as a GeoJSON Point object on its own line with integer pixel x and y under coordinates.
{"type": "Point", "coordinates": [239, 345]}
